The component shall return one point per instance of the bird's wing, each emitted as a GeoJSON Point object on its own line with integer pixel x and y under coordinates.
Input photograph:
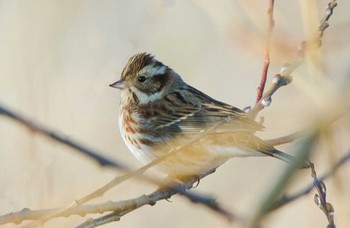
{"type": "Point", "coordinates": [189, 111]}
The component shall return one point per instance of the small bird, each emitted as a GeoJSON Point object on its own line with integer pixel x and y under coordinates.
{"type": "Point", "coordinates": [160, 114]}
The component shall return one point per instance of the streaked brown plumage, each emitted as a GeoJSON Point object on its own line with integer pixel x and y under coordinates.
{"type": "Point", "coordinates": [159, 112]}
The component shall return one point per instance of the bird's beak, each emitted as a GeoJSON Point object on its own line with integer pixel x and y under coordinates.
{"type": "Point", "coordinates": [119, 84]}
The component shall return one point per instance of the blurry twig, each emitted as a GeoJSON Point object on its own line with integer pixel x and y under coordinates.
{"type": "Point", "coordinates": [267, 204]}
{"type": "Point", "coordinates": [271, 24]}
{"type": "Point", "coordinates": [35, 127]}
{"type": "Point", "coordinates": [287, 199]}
{"type": "Point", "coordinates": [324, 21]}
{"type": "Point", "coordinates": [283, 140]}
{"type": "Point", "coordinates": [303, 152]}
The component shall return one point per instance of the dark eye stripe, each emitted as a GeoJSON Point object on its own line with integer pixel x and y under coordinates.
{"type": "Point", "coordinates": [161, 79]}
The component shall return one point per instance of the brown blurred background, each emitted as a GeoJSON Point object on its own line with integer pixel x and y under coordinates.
{"type": "Point", "coordinates": [57, 59]}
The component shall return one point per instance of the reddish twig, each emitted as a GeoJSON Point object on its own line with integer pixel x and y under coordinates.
{"type": "Point", "coordinates": [271, 24]}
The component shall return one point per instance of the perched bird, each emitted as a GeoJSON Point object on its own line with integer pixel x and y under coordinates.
{"type": "Point", "coordinates": [161, 114]}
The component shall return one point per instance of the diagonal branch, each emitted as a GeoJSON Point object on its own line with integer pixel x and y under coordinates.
{"type": "Point", "coordinates": [290, 198]}
{"type": "Point", "coordinates": [130, 174]}
{"type": "Point", "coordinates": [125, 206]}
{"type": "Point", "coordinates": [36, 127]}
{"type": "Point", "coordinates": [108, 163]}
{"type": "Point", "coordinates": [284, 139]}
{"type": "Point", "coordinates": [160, 194]}
{"type": "Point", "coordinates": [284, 77]}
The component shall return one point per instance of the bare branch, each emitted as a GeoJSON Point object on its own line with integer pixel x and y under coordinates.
{"type": "Point", "coordinates": [303, 153]}
{"type": "Point", "coordinates": [320, 198]}
{"type": "Point", "coordinates": [271, 24]}
{"type": "Point", "coordinates": [324, 21]}
{"type": "Point", "coordinates": [277, 82]}
{"type": "Point", "coordinates": [160, 194]}
{"type": "Point", "coordinates": [285, 139]}
{"type": "Point", "coordinates": [122, 207]}
{"type": "Point", "coordinates": [36, 127]}
{"type": "Point", "coordinates": [284, 77]}
{"type": "Point", "coordinates": [287, 199]}
{"type": "Point", "coordinates": [102, 161]}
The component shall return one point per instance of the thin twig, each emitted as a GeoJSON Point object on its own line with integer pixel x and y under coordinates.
{"type": "Point", "coordinates": [290, 198]}
{"type": "Point", "coordinates": [277, 82]}
{"type": "Point", "coordinates": [283, 180]}
{"type": "Point", "coordinates": [36, 127]}
{"type": "Point", "coordinates": [321, 198]}
{"type": "Point", "coordinates": [160, 194]}
{"type": "Point", "coordinates": [284, 77]}
{"type": "Point", "coordinates": [306, 147]}
{"type": "Point", "coordinates": [285, 139]}
{"type": "Point", "coordinates": [271, 24]}
{"type": "Point", "coordinates": [124, 206]}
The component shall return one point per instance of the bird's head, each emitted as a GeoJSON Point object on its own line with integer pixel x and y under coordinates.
{"type": "Point", "coordinates": [145, 78]}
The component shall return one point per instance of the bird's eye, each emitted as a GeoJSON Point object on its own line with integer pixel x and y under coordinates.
{"type": "Point", "coordinates": [141, 79]}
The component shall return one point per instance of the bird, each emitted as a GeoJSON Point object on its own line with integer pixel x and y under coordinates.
{"type": "Point", "coordinates": [161, 116]}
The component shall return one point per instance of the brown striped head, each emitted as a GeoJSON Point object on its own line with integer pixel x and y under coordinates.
{"type": "Point", "coordinates": [144, 78]}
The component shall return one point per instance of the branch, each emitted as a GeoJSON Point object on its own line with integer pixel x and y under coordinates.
{"type": "Point", "coordinates": [277, 82]}
{"type": "Point", "coordinates": [122, 207]}
{"type": "Point", "coordinates": [104, 162]}
{"type": "Point", "coordinates": [130, 174]}
{"type": "Point", "coordinates": [160, 194]}
{"type": "Point", "coordinates": [271, 24]}
{"type": "Point", "coordinates": [36, 127]}
{"type": "Point", "coordinates": [320, 199]}
{"type": "Point", "coordinates": [284, 77]}
{"type": "Point", "coordinates": [285, 139]}
{"type": "Point", "coordinates": [288, 199]}
{"type": "Point", "coordinates": [269, 203]}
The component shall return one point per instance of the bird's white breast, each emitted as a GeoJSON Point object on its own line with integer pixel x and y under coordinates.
{"type": "Point", "coordinates": [140, 151]}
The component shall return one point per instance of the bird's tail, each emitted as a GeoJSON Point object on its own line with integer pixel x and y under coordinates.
{"type": "Point", "coordinates": [288, 158]}
{"type": "Point", "coordinates": [269, 150]}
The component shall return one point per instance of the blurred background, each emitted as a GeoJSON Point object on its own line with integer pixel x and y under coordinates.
{"type": "Point", "coordinates": [57, 59]}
